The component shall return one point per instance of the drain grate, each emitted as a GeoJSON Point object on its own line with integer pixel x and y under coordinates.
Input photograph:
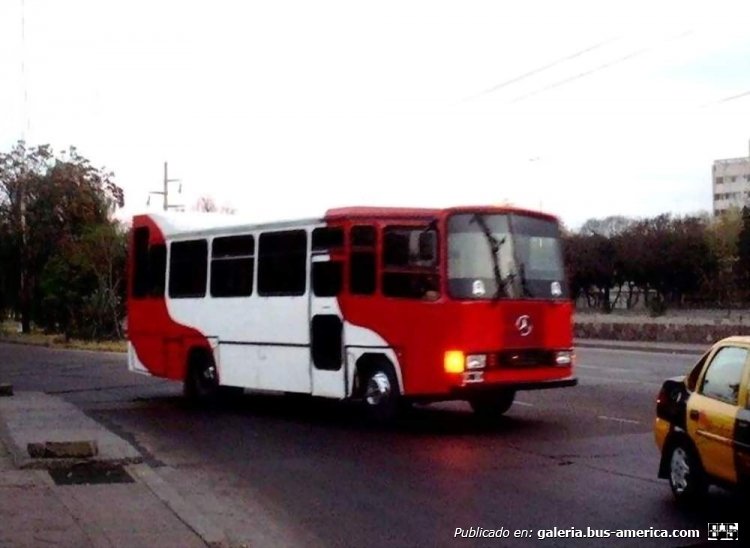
{"type": "Point", "coordinates": [94, 473]}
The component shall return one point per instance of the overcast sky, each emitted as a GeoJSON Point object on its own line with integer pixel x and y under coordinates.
{"type": "Point", "coordinates": [286, 108]}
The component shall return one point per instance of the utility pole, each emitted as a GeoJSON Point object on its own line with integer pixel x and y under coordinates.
{"type": "Point", "coordinates": [165, 191]}
{"type": "Point", "coordinates": [24, 262]}
{"type": "Point", "coordinates": [24, 80]}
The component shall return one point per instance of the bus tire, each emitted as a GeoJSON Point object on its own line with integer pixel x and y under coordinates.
{"type": "Point", "coordinates": [201, 378]}
{"type": "Point", "coordinates": [380, 394]}
{"type": "Point", "coordinates": [493, 405]}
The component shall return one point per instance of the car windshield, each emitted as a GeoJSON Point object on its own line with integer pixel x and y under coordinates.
{"type": "Point", "coordinates": [504, 256]}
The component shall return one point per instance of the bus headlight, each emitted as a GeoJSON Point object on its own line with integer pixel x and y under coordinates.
{"type": "Point", "coordinates": [564, 358]}
{"type": "Point", "coordinates": [476, 361]}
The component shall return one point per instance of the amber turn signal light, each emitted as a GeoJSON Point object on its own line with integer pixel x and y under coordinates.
{"type": "Point", "coordinates": [453, 362]}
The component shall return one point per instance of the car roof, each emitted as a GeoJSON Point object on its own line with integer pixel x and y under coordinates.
{"type": "Point", "coordinates": [736, 339]}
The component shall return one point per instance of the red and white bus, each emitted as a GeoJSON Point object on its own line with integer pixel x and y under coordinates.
{"type": "Point", "coordinates": [379, 305]}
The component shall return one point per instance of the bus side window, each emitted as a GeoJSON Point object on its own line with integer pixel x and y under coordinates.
{"type": "Point", "coordinates": [232, 265]}
{"type": "Point", "coordinates": [282, 262]}
{"type": "Point", "coordinates": [150, 265]}
{"type": "Point", "coordinates": [327, 239]}
{"type": "Point", "coordinates": [188, 269]}
{"type": "Point", "coordinates": [410, 263]}
{"type": "Point", "coordinates": [157, 269]}
{"type": "Point", "coordinates": [362, 264]}
{"type": "Point", "coordinates": [327, 278]}
{"type": "Point", "coordinates": [140, 262]}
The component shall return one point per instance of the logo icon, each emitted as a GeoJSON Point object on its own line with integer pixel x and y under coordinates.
{"type": "Point", "coordinates": [524, 325]}
{"type": "Point", "coordinates": [723, 531]}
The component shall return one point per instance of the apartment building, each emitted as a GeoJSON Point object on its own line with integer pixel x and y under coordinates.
{"type": "Point", "coordinates": [731, 183]}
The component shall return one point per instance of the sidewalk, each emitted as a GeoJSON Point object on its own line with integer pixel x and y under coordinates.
{"type": "Point", "coordinates": [111, 499]}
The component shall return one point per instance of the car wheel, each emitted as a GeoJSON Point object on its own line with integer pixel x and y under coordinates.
{"type": "Point", "coordinates": [686, 476]}
{"type": "Point", "coordinates": [494, 405]}
{"type": "Point", "coordinates": [380, 395]}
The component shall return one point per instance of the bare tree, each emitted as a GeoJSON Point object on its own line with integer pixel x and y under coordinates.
{"type": "Point", "coordinates": [208, 204]}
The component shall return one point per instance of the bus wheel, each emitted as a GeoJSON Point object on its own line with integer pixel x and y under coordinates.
{"type": "Point", "coordinates": [202, 378]}
{"type": "Point", "coordinates": [493, 405]}
{"type": "Point", "coordinates": [380, 395]}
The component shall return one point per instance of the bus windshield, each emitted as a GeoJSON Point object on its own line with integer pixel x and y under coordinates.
{"type": "Point", "coordinates": [504, 256]}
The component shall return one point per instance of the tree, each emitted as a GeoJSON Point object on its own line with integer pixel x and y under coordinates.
{"type": "Point", "coordinates": [723, 234]}
{"type": "Point", "coordinates": [47, 204]}
{"type": "Point", "coordinates": [670, 256]}
{"type": "Point", "coordinates": [21, 171]}
{"type": "Point", "coordinates": [590, 261]}
{"type": "Point", "coordinates": [208, 204]}
{"type": "Point", "coordinates": [666, 258]}
{"type": "Point", "coordinates": [743, 252]}
{"type": "Point", "coordinates": [82, 284]}
{"type": "Point", "coordinates": [607, 227]}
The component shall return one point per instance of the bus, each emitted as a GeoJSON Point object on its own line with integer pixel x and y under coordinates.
{"type": "Point", "coordinates": [379, 305]}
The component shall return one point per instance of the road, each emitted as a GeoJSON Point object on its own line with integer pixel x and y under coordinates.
{"type": "Point", "coordinates": [281, 471]}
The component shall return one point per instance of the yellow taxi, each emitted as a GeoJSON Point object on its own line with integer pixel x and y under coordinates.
{"type": "Point", "coordinates": [703, 423]}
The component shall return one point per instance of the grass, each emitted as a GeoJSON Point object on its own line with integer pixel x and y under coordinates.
{"type": "Point", "coordinates": [9, 333]}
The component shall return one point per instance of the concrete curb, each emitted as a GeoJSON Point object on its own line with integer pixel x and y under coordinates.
{"type": "Point", "coordinates": [187, 513]}
{"type": "Point", "coordinates": [15, 452]}
{"type": "Point", "coordinates": [52, 346]}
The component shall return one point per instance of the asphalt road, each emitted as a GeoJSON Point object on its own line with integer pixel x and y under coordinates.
{"type": "Point", "coordinates": [282, 471]}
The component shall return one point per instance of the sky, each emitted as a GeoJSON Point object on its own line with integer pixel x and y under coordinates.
{"type": "Point", "coordinates": [287, 108]}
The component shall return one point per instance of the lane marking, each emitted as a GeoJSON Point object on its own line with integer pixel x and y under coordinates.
{"type": "Point", "coordinates": [618, 381]}
{"type": "Point", "coordinates": [675, 352]}
{"type": "Point", "coordinates": [523, 403]}
{"type": "Point", "coordinates": [618, 419]}
{"type": "Point", "coordinates": [602, 368]}
{"type": "Point", "coordinates": [610, 379]}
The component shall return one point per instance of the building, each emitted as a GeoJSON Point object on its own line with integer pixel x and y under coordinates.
{"type": "Point", "coordinates": [731, 183]}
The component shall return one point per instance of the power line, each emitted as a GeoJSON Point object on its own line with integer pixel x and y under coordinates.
{"type": "Point", "coordinates": [727, 99]}
{"type": "Point", "coordinates": [538, 70]}
{"type": "Point", "coordinates": [580, 75]}
{"type": "Point", "coordinates": [596, 69]}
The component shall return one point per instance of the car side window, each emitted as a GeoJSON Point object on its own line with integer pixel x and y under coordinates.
{"type": "Point", "coordinates": [724, 374]}
{"type": "Point", "coordinates": [692, 379]}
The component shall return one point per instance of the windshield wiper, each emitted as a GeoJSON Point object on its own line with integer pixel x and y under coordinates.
{"type": "Point", "coordinates": [524, 284]}
{"type": "Point", "coordinates": [495, 246]}
{"type": "Point", "coordinates": [521, 268]}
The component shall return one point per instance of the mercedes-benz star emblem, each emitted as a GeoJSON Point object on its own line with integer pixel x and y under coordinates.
{"type": "Point", "coordinates": [524, 325]}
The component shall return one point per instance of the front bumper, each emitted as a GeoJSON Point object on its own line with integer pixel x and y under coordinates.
{"type": "Point", "coordinates": [470, 389]}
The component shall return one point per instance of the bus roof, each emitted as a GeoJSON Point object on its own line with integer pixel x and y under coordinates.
{"type": "Point", "coordinates": [416, 212]}
{"type": "Point", "coordinates": [173, 223]}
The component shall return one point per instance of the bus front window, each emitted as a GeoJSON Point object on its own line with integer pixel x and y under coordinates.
{"type": "Point", "coordinates": [504, 256]}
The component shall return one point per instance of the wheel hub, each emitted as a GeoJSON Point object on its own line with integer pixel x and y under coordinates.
{"type": "Point", "coordinates": [679, 470]}
{"type": "Point", "coordinates": [378, 389]}
{"type": "Point", "coordinates": [208, 375]}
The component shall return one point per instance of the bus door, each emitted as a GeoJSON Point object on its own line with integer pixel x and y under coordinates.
{"type": "Point", "coordinates": [328, 373]}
